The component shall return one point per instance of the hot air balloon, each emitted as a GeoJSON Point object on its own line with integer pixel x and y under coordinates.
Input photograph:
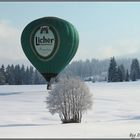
{"type": "Point", "coordinates": [50, 43]}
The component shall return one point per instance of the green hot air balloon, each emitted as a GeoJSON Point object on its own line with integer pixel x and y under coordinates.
{"type": "Point", "coordinates": [49, 43]}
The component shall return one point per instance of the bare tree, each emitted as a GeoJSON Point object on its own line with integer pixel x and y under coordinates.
{"type": "Point", "coordinates": [70, 98]}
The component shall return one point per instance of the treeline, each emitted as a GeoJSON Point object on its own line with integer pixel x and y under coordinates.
{"type": "Point", "coordinates": [118, 73]}
{"type": "Point", "coordinates": [110, 70]}
{"type": "Point", "coordinates": [93, 67]}
{"type": "Point", "coordinates": [20, 75]}
{"type": "Point", "coordinates": [87, 68]}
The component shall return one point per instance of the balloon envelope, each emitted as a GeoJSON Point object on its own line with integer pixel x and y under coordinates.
{"type": "Point", "coordinates": [49, 43]}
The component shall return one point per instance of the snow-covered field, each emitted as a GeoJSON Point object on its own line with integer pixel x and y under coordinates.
{"type": "Point", "coordinates": [115, 113]}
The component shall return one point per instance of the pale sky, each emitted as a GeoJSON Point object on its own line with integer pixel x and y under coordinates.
{"type": "Point", "coordinates": [105, 29]}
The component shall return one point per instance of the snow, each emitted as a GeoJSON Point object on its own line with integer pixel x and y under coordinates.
{"type": "Point", "coordinates": [115, 113]}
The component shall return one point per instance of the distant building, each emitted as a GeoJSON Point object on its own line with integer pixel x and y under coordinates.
{"type": "Point", "coordinates": [97, 78]}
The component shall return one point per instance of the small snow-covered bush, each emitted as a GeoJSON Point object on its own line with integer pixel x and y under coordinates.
{"type": "Point", "coordinates": [70, 98]}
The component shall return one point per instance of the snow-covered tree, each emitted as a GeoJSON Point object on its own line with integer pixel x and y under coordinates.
{"type": "Point", "coordinates": [10, 76]}
{"type": "Point", "coordinates": [2, 78]}
{"type": "Point", "coordinates": [70, 98]}
{"type": "Point", "coordinates": [2, 75]}
{"type": "Point", "coordinates": [135, 70]}
{"type": "Point", "coordinates": [127, 76]}
{"type": "Point", "coordinates": [112, 71]}
{"type": "Point", "coordinates": [31, 71]}
{"type": "Point", "coordinates": [17, 75]}
{"type": "Point", "coordinates": [121, 73]}
{"type": "Point", "coordinates": [22, 72]}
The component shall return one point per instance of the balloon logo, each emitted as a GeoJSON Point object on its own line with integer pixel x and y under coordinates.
{"type": "Point", "coordinates": [50, 43]}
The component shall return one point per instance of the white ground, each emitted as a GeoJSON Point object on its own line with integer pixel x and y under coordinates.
{"type": "Point", "coordinates": [115, 113]}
